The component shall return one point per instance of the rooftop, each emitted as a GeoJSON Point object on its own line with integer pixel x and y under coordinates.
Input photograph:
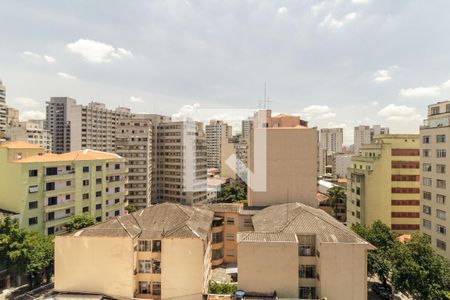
{"type": "Point", "coordinates": [156, 222]}
{"type": "Point", "coordinates": [20, 145]}
{"type": "Point", "coordinates": [253, 236]}
{"type": "Point", "coordinates": [80, 155]}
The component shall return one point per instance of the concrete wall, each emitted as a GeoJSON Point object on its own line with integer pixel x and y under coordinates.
{"type": "Point", "coordinates": [343, 271]}
{"type": "Point", "coordinates": [266, 267]}
{"type": "Point", "coordinates": [182, 269]}
{"type": "Point", "coordinates": [95, 265]}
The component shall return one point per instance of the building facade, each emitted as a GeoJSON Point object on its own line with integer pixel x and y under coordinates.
{"type": "Point", "coordinates": [383, 183]}
{"type": "Point", "coordinates": [363, 134]}
{"type": "Point", "coordinates": [341, 162]}
{"type": "Point", "coordinates": [330, 143]}
{"type": "Point", "coordinates": [237, 168]}
{"type": "Point", "coordinates": [76, 127]}
{"type": "Point", "coordinates": [246, 126]}
{"type": "Point", "coordinates": [48, 189]}
{"type": "Point", "coordinates": [435, 208]}
{"type": "Point", "coordinates": [12, 116]}
{"type": "Point", "coordinates": [134, 142]}
{"type": "Point", "coordinates": [3, 113]}
{"type": "Point", "coordinates": [215, 132]}
{"type": "Point", "coordinates": [31, 131]}
{"type": "Point", "coordinates": [282, 160]}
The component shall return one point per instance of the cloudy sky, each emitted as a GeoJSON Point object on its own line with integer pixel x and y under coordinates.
{"type": "Point", "coordinates": [335, 63]}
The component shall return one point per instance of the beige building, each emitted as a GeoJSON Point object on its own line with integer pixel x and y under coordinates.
{"type": "Point", "coordinates": [31, 131]}
{"type": "Point", "coordinates": [134, 142]}
{"type": "Point", "coordinates": [76, 127]}
{"type": "Point", "coordinates": [246, 126]}
{"type": "Point", "coordinates": [435, 208]}
{"type": "Point", "coordinates": [12, 116]}
{"type": "Point", "coordinates": [363, 134]}
{"type": "Point", "coordinates": [302, 252]}
{"type": "Point", "coordinates": [330, 143]}
{"type": "Point", "coordinates": [3, 113]}
{"type": "Point", "coordinates": [160, 252]}
{"type": "Point", "coordinates": [215, 131]}
{"type": "Point", "coordinates": [47, 190]}
{"type": "Point", "coordinates": [237, 146]}
{"type": "Point", "coordinates": [383, 183]}
{"type": "Point", "coordinates": [282, 161]}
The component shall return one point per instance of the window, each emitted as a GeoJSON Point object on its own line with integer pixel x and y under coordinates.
{"type": "Point", "coordinates": [33, 173]}
{"type": "Point", "coordinates": [440, 183]}
{"type": "Point", "coordinates": [434, 110]}
{"type": "Point", "coordinates": [145, 266]}
{"type": "Point", "coordinates": [33, 189]}
{"type": "Point", "coordinates": [68, 183]}
{"type": "Point", "coordinates": [156, 288]}
{"type": "Point", "coordinates": [230, 221]}
{"type": "Point", "coordinates": [98, 168]}
{"type": "Point", "coordinates": [427, 181]}
{"type": "Point", "coordinates": [441, 244]}
{"type": "Point", "coordinates": [68, 168]}
{"type": "Point", "coordinates": [307, 292]}
{"type": "Point", "coordinates": [307, 271]}
{"type": "Point", "coordinates": [98, 193]}
{"type": "Point", "coordinates": [85, 196]}
{"type": "Point", "coordinates": [230, 236]}
{"type": "Point", "coordinates": [230, 252]}
{"type": "Point", "coordinates": [98, 206]}
{"type": "Point", "coordinates": [50, 216]}
{"type": "Point", "coordinates": [117, 190]}
{"type": "Point", "coordinates": [98, 181]}
{"type": "Point", "coordinates": [156, 246]}
{"type": "Point", "coordinates": [144, 287]}
{"type": "Point", "coordinates": [85, 209]}
{"type": "Point", "coordinates": [145, 246]}
{"type": "Point", "coordinates": [440, 214]}
{"type": "Point", "coordinates": [33, 205]}
{"type": "Point", "coordinates": [98, 219]}
{"type": "Point", "coordinates": [426, 167]}
{"type": "Point", "coordinates": [32, 221]}
{"type": "Point", "coordinates": [85, 182]}
{"type": "Point", "coordinates": [85, 169]}
{"type": "Point", "coordinates": [217, 254]}
{"type": "Point", "coordinates": [441, 153]}
{"type": "Point", "coordinates": [441, 229]}
{"type": "Point", "coordinates": [440, 138]}
{"type": "Point", "coordinates": [426, 152]}
{"type": "Point", "coordinates": [440, 169]}
{"type": "Point", "coordinates": [217, 237]}
{"type": "Point", "coordinates": [426, 210]}
{"type": "Point", "coordinates": [52, 201]}
{"type": "Point", "coordinates": [50, 186]}
{"type": "Point", "coordinates": [50, 230]}
{"type": "Point", "coordinates": [117, 166]}
{"type": "Point", "coordinates": [426, 223]}
{"type": "Point", "coordinates": [306, 245]}
{"type": "Point", "coordinates": [426, 139]}
{"type": "Point", "coordinates": [426, 195]}
{"type": "Point", "coordinates": [117, 213]}
{"type": "Point", "coordinates": [156, 267]}
{"type": "Point", "coordinates": [51, 171]}
{"type": "Point", "coordinates": [440, 199]}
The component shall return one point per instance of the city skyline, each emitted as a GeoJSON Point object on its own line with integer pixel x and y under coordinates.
{"type": "Point", "coordinates": [334, 63]}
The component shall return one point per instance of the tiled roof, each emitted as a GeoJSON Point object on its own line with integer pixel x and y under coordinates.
{"type": "Point", "coordinates": [80, 155]}
{"type": "Point", "coordinates": [156, 222]}
{"type": "Point", "coordinates": [223, 207]}
{"type": "Point", "coordinates": [302, 219]}
{"type": "Point", "coordinates": [20, 145]}
{"type": "Point", "coordinates": [253, 236]}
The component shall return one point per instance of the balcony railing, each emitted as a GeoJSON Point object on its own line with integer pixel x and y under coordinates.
{"type": "Point", "coordinates": [305, 250]}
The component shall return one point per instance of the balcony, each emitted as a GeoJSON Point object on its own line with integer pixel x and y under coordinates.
{"type": "Point", "coordinates": [59, 206]}
{"type": "Point", "coordinates": [59, 221]}
{"type": "Point", "coordinates": [55, 192]}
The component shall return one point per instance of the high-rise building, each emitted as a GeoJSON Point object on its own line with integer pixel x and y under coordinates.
{"type": "Point", "coordinates": [134, 142]}
{"type": "Point", "coordinates": [341, 162]}
{"type": "Point", "coordinates": [363, 134]}
{"type": "Point", "coordinates": [46, 190]}
{"type": "Point", "coordinates": [75, 127]}
{"type": "Point", "coordinates": [330, 143]}
{"type": "Point", "coordinates": [179, 161]}
{"type": "Point", "coordinates": [215, 131]}
{"type": "Point", "coordinates": [435, 197]}
{"type": "Point", "coordinates": [246, 126]}
{"type": "Point", "coordinates": [3, 113]}
{"type": "Point", "coordinates": [282, 161]}
{"type": "Point", "coordinates": [383, 183]}
{"type": "Point", "coordinates": [31, 131]}
{"type": "Point", "coordinates": [237, 146]}
{"type": "Point", "coordinates": [12, 116]}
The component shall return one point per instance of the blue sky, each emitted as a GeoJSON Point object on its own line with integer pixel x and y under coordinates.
{"type": "Point", "coordinates": [335, 63]}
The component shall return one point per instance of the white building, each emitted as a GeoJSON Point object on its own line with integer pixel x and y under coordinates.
{"type": "Point", "coordinates": [2, 107]}
{"type": "Point", "coordinates": [340, 164]}
{"type": "Point", "coordinates": [363, 134]}
{"type": "Point", "coordinates": [31, 131]}
{"type": "Point", "coordinates": [330, 143]}
{"type": "Point", "coordinates": [215, 131]}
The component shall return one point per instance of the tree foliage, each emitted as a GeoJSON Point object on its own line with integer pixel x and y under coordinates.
{"type": "Point", "coordinates": [336, 195]}
{"type": "Point", "coordinates": [79, 222]}
{"type": "Point", "coordinates": [232, 193]}
{"type": "Point", "coordinates": [130, 208]}
{"type": "Point", "coordinates": [221, 288]}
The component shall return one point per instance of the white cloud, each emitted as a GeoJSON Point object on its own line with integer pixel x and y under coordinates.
{"type": "Point", "coordinates": [317, 112]}
{"type": "Point", "coordinates": [425, 91]}
{"type": "Point", "coordinates": [136, 99]}
{"type": "Point", "coordinates": [384, 75]}
{"type": "Point", "coordinates": [97, 52]}
{"type": "Point", "coordinates": [332, 22]}
{"type": "Point", "coordinates": [360, 1]}
{"type": "Point", "coordinates": [374, 103]}
{"type": "Point", "coordinates": [32, 115]}
{"type": "Point", "coordinates": [49, 59]}
{"type": "Point", "coordinates": [282, 10]}
{"type": "Point", "coordinates": [399, 113]}
{"type": "Point", "coordinates": [66, 76]}
{"type": "Point", "coordinates": [186, 112]}
{"type": "Point", "coordinates": [26, 102]}
{"type": "Point", "coordinates": [37, 57]}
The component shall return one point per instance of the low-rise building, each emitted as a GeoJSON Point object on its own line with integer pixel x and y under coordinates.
{"type": "Point", "coordinates": [48, 189]}
{"type": "Point", "coordinates": [160, 252]}
{"type": "Point", "coordinates": [31, 131]}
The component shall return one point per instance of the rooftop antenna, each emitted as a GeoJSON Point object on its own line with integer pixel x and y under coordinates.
{"type": "Point", "coordinates": [266, 100]}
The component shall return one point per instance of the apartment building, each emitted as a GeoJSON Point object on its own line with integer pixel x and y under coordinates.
{"type": "Point", "coordinates": [341, 162]}
{"type": "Point", "coordinates": [31, 131]}
{"type": "Point", "coordinates": [12, 116]}
{"type": "Point", "coordinates": [330, 143]}
{"type": "Point", "coordinates": [76, 127]}
{"type": "Point", "coordinates": [383, 183]}
{"type": "Point", "coordinates": [48, 189]}
{"type": "Point", "coordinates": [282, 160]}
{"type": "Point", "coordinates": [134, 142]}
{"type": "Point", "coordinates": [179, 162]}
{"type": "Point", "coordinates": [435, 208]}
{"type": "Point", "coordinates": [2, 107]}
{"type": "Point", "coordinates": [160, 252]}
{"type": "Point", "coordinates": [215, 132]}
{"type": "Point", "coordinates": [302, 252]}
{"type": "Point", "coordinates": [363, 134]}
{"type": "Point", "coordinates": [236, 168]}
{"type": "Point", "coordinates": [246, 126]}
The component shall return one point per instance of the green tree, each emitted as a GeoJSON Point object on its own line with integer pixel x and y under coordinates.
{"type": "Point", "coordinates": [221, 288]}
{"type": "Point", "coordinates": [12, 250]}
{"type": "Point", "coordinates": [336, 195]}
{"type": "Point", "coordinates": [80, 221]}
{"type": "Point", "coordinates": [232, 193]}
{"type": "Point", "coordinates": [419, 271]}
{"type": "Point", "coordinates": [130, 208]}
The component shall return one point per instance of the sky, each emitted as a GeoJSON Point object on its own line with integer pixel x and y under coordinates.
{"type": "Point", "coordinates": [336, 63]}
